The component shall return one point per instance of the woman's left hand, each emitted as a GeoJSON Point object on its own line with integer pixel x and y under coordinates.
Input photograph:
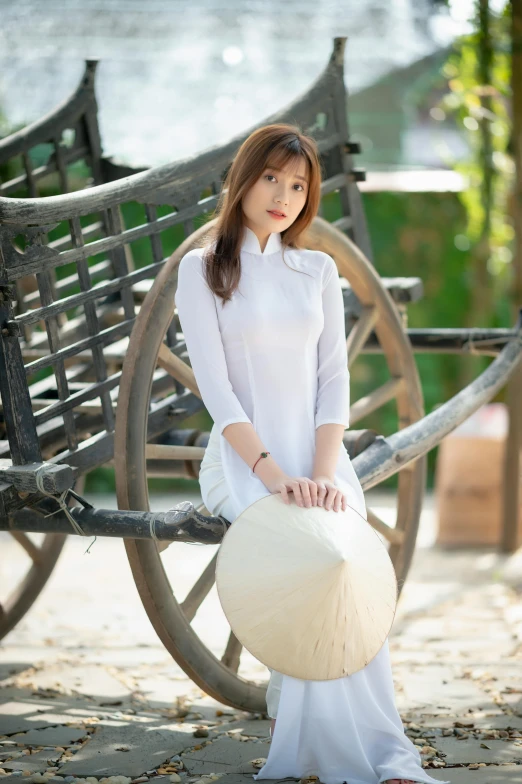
{"type": "Point", "coordinates": [328, 495]}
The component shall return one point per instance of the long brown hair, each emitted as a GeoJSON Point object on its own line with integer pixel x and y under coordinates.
{"type": "Point", "coordinates": [267, 147]}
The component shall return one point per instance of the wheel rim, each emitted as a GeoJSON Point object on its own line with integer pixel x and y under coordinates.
{"type": "Point", "coordinates": [219, 676]}
{"type": "Point", "coordinates": [43, 555]}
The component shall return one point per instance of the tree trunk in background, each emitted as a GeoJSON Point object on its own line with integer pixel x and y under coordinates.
{"type": "Point", "coordinates": [510, 535]}
{"type": "Point", "coordinates": [481, 302]}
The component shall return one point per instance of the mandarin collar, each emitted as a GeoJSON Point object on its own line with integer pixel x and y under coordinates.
{"type": "Point", "coordinates": [250, 243]}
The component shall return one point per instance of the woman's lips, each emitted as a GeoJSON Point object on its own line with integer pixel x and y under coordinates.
{"type": "Point", "coordinates": [275, 215]}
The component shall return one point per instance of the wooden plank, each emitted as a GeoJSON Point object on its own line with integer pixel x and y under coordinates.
{"type": "Point", "coordinates": [55, 478]}
{"type": "Point", "coordinates": [93, 328]}
{"type": "Point", "coordinates": [18, 415]}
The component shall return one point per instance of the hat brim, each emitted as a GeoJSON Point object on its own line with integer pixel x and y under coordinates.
{"type": "Point", "coordinates": [309, 592]}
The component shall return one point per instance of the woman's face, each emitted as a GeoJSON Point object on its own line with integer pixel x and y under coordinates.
{"type": "Point", "coordinates": [283, 190]}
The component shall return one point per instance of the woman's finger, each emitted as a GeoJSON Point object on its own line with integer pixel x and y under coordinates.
{"type": "Point", "coordinates": [321, 493]}
{"type": "Point", "coordinates": [284, 494]}
{"type": "Point", "coordinates": [313, 491]}
{"type": "Point", "coordinates": [332, 492]}
{"type": "Point", "coordinates": [305, 492]}
{"type": "Point", "coordinates": [297, 492]}
{"type": "Point", "coordinates": [338, 501]}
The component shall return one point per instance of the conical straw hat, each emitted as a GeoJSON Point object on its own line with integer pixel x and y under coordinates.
{"type": "Point", "coordinates": [310, 593]}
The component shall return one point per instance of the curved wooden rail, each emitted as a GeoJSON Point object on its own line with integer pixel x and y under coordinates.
{"type": "Point", "coordinates": [192, 170]}
{"type": "Point", "coordinates": [64, 114]}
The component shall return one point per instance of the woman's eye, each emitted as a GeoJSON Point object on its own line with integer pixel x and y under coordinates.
{"type": "Point", "coordinates": [297, 183]}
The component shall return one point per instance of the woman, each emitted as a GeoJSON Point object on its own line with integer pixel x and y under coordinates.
{"type": "Point", "coordinates": [263, 320]}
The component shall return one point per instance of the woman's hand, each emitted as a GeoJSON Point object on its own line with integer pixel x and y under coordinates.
{"type": "Point", "coordinates": [319, 491]}
{"type": "Point", "coordinates": [328, 495]}
{"type": "Point", "coordinates": [303, 488]}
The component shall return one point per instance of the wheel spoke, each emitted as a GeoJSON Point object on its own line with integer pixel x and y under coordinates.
{"type": "Point", "coordinates": [232, 653]}
{"type": "Point", "coordinates": [199, 590]}
{"type": "Point", "coordinates": [32, 550]}
{"type": "Point", "coordinates": [369, 403]}
{"type": "Point", "coordinates": [360, 332]}
{"type": "Point", "coordinates": [391, 534]}
{"type": "Point", "coordinates": [173, 452]}
{"type": "Point", "coordinates": [178, 369]}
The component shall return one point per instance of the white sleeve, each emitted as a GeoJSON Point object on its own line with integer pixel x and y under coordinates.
{"type": "Point", "coordinates": [197, 311]}
{"type": "Point", "coordinates": [333, 390]}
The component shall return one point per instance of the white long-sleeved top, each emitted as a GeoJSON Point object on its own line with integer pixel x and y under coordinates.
{"type": "Point", "coordinates": [274, 355]}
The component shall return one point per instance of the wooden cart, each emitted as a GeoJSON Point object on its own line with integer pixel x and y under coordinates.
{"type": "Point", "coordinates": [93, 363]}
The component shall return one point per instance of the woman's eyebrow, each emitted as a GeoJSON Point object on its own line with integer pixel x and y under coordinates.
{"type": "Point", "coordinates": [297, 176]}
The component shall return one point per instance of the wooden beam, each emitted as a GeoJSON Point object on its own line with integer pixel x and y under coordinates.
{"type": "Point", "coordinates": [513, 458]}
{"type": "Point", "coordinates": [173, 452]}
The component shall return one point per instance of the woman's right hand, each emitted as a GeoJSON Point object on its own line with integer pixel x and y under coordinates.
{"type": "Point", "coordinates": [304, 489]}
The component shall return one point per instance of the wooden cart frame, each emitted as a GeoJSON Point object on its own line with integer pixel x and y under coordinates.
{"type": "Point", "coordinates": [90, 342]}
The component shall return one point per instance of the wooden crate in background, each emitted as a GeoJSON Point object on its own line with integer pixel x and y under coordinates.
{"type": "Point", "coordinates": [469, 478]}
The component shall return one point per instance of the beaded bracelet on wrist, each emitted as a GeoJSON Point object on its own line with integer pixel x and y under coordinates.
{"type": "Point", "coordinates": [263, 454]}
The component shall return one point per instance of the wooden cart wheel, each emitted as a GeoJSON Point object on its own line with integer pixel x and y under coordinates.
{"type": "Point", "coordinates": [42, 553]}
{"type": "Point", "coordinates": [147, 352]}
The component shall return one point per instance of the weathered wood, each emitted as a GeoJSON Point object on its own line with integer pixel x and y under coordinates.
{"type": "Point", "coordinates": [172, 452]}
{"type": "Point", "coordinates": [69, 116]}
{"type": "Point", "coordinates": [174, 526]}
{"type": "Point", "coordinates": [168, 414]}
{"type": "Point", "coordinates": [486, 342]}
{"type": "Point", "coordinates": [356, 441]}
{"type": "Point", "coordinates": [16, 401]}
{"type": "Point", "coordinates": [52, 326]}
{"type": "Point", "coordinates": [168, 183]}
{"type": "Point", "coordinates": [77, 324]}
{"type": "Point", "coordinates": [98, 291]}
{"type": "Point", "coordinates": [79, 350]}
{"type": "Point", "coordinates": [386, 456]}
{"type": "Point", "coordinates": [64, 116]}
{"type": "Point", "coordinates": [341, 156]}
{"type": "Point", "coordinates": [93, 327]}
{"type": "Point", "coordinates": [55, 478]}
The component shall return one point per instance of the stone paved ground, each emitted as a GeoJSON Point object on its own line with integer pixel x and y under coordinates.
{"type": "Point", "coordinates": [87, 691]}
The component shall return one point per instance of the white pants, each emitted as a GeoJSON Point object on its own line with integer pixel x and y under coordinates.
{"type": "Point", "coordinates": [214, 492]}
